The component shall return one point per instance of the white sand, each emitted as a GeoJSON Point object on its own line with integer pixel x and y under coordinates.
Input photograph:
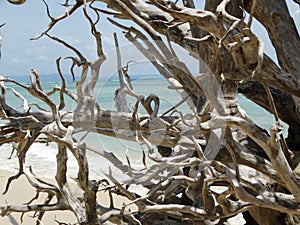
{"type": "Point", "coordinates": [21, 192]}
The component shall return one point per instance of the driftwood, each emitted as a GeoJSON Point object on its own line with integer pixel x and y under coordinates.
{"type": "Point", "coordinates": [202, 173]}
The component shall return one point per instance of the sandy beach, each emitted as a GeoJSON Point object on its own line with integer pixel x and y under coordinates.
{"type": "Point", "coordinates": [21, 192]}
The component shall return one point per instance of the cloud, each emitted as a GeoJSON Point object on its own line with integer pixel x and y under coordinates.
{"type": "Point", "coordinates": [28, 51]}
{"type": "Point", "coordinates": [72, 40]}
{"type": "Point", "coordinates": [42, 58]}
{"type": "Point", "coordinates": [108, 40]}
{"type": "Point", "coordinates": [34, 50]}
{"type": "Point", "coordinates": [14, 60]}
{"type": "Point", "coordinates": [91, 47]}
{"type": "Point", "coordinates": [19, 60]}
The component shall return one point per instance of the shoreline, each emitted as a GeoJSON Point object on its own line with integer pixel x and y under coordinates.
{"type": "Point", "coordinates": [42, 158]}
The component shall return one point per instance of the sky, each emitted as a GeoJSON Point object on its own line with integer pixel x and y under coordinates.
{"type": "Point", "coordinates": [20, 54]}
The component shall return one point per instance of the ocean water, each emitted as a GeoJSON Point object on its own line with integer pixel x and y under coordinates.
{"type": "Point", "coordinates": [42, 157]}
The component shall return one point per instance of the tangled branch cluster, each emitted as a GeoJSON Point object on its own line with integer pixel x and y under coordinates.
{"type": "Point", "coordinates": [214, 162]}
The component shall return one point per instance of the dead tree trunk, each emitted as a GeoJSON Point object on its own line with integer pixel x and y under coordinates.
{"type": "Point", "coordinates": [214, 145]}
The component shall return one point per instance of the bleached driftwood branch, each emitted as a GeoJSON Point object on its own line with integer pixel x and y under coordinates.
{"type": "Point", "coordinates": [184, 183]}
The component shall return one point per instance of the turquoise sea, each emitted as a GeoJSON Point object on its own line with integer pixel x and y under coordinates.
{"type": "Point", "coordinates": [42, 157]}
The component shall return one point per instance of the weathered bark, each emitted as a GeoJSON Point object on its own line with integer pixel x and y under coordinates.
{"type": "Point", "coordinates": [284, 103]}
{"type": "Point", "coordinates": [199, 150]}
{"type": "Point", "coordinates": [275, 17]}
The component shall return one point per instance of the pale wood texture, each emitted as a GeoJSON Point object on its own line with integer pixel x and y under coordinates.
{"type": "Point", "coordinates": [215, 162]}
